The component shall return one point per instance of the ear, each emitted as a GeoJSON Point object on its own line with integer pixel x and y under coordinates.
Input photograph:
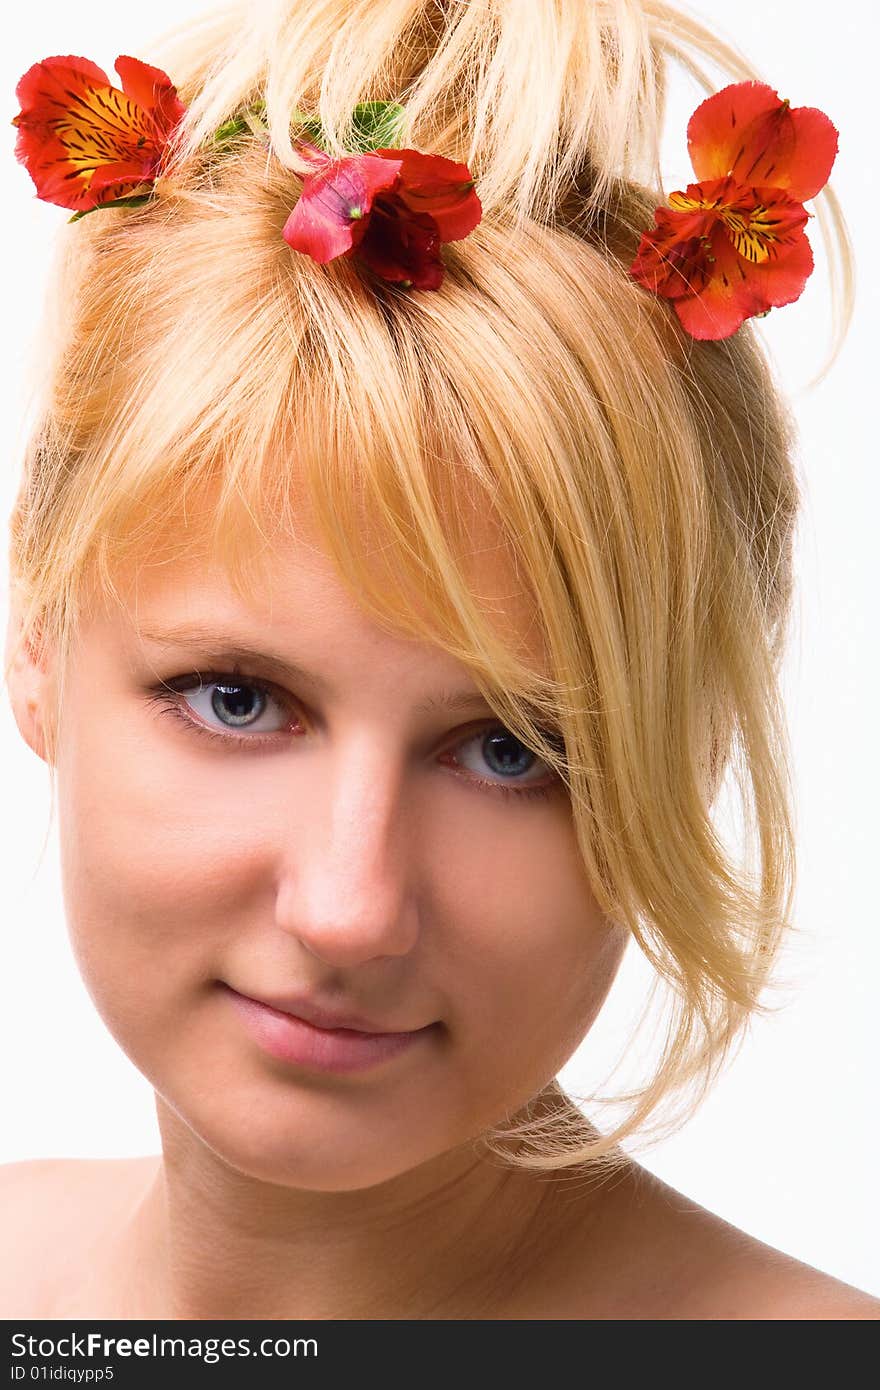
{"type": "Point", "coordinates": [29, 682]}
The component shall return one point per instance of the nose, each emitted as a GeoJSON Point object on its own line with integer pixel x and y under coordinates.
{"type": "Point", "coordinates": [346, 891]}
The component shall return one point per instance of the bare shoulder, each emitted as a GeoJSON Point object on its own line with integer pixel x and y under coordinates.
{"type": "Point", "coordinates": [54, 1212]}
{"type": "Point", "coordinates": [35, 1185]}
{"type": "Point", "coordinates": [699, 1266]}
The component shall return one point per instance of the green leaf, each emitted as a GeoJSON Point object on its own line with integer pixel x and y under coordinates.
{"type": "Point", "coordinates": [373, 126]}
{"type": "Point", "coordinates": [132, 202]}
{"type": "Point", "coordinates": [376, 124]}
{"type": "Point", "coordinates": [238, 125]}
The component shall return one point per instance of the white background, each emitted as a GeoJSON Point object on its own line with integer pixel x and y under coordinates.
{"type": "Point", "coordinates": [787, 1146]}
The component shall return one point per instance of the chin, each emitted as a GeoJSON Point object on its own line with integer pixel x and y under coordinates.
{"type": "Point", "coordinates": [306, 1140]}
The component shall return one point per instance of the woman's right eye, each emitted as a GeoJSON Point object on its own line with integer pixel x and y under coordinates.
{"type": "Point", "coordinates": [238, 702]}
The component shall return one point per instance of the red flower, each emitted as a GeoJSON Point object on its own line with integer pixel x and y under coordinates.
{"type": "Point", "coordinates": [391, 207]}
{"type": "Point", "coordinates": [82, 140]}
{"type": "Point", "coordinates": [733, 245]}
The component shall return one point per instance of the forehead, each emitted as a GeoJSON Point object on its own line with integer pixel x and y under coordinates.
{"type": "Point", "coordinates": [291, 580]}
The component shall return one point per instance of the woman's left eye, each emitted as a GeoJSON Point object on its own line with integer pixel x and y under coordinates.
{"type": "Point", "coordinates": [241, 702]}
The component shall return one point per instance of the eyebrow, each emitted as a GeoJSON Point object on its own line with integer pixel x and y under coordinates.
{"type": "Point", "coordinates": [216, 648]}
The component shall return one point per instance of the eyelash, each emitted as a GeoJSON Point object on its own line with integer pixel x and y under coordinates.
{"type": "Point", "coordinates": [165, 695]}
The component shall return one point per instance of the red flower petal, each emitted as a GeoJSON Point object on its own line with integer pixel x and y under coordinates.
{"type": "Point", "coordinates": [317, 158]}
{"type": "Point", "coordinates": [746, 131]}
{"type": "Point", "coordinates": [738, 290]}
{"type": "Point", "coordinates": [84, 141]}
{"type": "Point", "coordinates": [762, 223]}
{"type": "Point", "coordinates": [333, 210]}
{"type": "Point", "coordinates": [671, 259]}
{"type": "Point", "coordinates": [49, 75]}
{"type": "Point", "coordinates": [403, 246]}
{"type": "Point", "coordinates": [153, 90]}
{"type": "Point", "coordinates": [440, 187]}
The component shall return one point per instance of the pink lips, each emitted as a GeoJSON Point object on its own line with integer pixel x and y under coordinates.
{"type": "Point", "coordinates": [291, 1039]}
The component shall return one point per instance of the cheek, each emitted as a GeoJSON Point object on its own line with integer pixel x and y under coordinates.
{"type": "Point", "coordinates": [151, 858]}
{"type": "Point", "coordinates": [531, 957]}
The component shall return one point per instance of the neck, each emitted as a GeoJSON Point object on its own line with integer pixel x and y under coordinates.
{"type": "Point", "coordinates": [453, 1237]}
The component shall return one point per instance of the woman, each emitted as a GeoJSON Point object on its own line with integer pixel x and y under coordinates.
{"type": "Point", "coordinates": [460, 615]}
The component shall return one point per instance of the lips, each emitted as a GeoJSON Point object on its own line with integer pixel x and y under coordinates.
{"type": "Point", "coordinates": [320, 1016]}
{"type": "Point", "coordinates": [289, 1038]}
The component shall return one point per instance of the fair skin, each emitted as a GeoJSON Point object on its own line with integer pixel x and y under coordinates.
{"type": "Point", "coordinates": [357, 855]}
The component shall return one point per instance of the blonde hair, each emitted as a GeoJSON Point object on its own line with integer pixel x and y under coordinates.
{"type": "Point", "coordinates": [643, 481]}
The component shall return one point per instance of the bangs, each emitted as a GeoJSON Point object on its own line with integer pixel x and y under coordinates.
{"type": "Point", "coordinates": [429, 439]}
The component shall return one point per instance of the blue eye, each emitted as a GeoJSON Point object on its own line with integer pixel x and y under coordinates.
{"type": "Point", "coordinates": [236, 702]}
{"type": "Point", "coordinates": [243, 702]}
{"type": "Point", "coordinates": [507, 757]}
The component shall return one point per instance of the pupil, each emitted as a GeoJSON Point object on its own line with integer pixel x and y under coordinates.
{"type": "Point", "coordinates": [520, 761]}
{"type": "Point", "coordinates": [233, 702]}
